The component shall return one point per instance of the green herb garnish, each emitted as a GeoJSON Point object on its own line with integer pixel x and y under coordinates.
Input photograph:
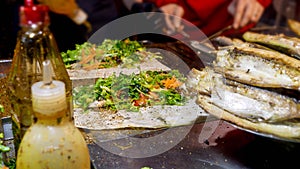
{"type": "Point", "coordinates": [110, 53]}
{"type": "Point", "coordinates": [130, 92]}
{"type": "Point", "coordinates": [149, 88]}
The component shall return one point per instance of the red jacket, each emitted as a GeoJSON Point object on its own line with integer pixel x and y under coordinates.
{"type": "Point", "coordinates": [208, 15]}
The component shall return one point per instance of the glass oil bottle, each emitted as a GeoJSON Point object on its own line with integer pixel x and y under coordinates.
{"type": "Point", "coordinates": [35, 43]}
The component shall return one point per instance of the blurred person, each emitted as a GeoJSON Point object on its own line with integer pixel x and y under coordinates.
{"type": "Point", "coordinates": [210, 15]}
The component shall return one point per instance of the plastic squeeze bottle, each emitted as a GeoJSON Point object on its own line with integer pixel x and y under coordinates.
{"type": "Point", "coordinates": [53, 142]}
{"type": "Point", "coordinates": [35, 43]}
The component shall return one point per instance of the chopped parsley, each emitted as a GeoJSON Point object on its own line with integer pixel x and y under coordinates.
{"type": "Point", "coordinates": [110, 53]}
{"type": "Point", "coordinates": [130, 92]}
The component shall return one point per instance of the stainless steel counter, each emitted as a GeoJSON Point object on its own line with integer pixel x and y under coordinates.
{"type": "Point", "coordinates": [225, 147]}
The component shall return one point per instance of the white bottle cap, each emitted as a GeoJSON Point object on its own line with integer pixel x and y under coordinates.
{"type": "Point", "coordinates": [48, 97]}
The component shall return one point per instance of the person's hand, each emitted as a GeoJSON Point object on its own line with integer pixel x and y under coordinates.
{"type": "Point", "coordinates": [246, 11]}
{"type": "Point", "coordinates": [64, 7]}
{"type": "Point", "coordinates": [173, 12]}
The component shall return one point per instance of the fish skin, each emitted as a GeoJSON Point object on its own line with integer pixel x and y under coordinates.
{"type": "Point", "coordinates": [258, 67]}
{"type": "Point", "coordinates": [282, 43]}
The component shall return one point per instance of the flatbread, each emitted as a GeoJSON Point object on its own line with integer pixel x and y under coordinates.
{"type": "Point", "coordinates": [88, 77]}
{"type": "Point", "coordinates": [148, 117]}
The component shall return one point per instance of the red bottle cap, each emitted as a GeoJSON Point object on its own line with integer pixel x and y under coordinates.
{"type": "Point", "coordinates": [32, 14]}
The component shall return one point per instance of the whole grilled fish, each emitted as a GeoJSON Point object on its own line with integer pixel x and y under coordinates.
{"type": "Point", "coordinates": [259, 67]}
{"type": "Point", "coordinates": [243, 100]}
{"type": "Point", "coordinates": [282, 43]}
{"type": "Point", "coordinates": [285, 129]}
{"type": "Point", "coordinates": [246, 106]}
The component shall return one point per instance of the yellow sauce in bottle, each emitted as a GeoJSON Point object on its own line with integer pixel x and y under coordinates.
{"type": "Point", "coordinates": [53, 142]}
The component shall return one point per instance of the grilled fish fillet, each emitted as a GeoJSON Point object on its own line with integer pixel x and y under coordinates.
{"type": "Point", "coordinates": [285, 44]}
{"type": "Point", "coordinates": [259, 67]}
{"type": "Point", "coordinates": [246, 106]}
{"type": "Point", "coordinates": [245, 101]}
{"type": "Point", "coordinates": [286, 130]}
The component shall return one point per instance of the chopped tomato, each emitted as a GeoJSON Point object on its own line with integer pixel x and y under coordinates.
{"type": "Point", "coordinates": [142, 101]}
